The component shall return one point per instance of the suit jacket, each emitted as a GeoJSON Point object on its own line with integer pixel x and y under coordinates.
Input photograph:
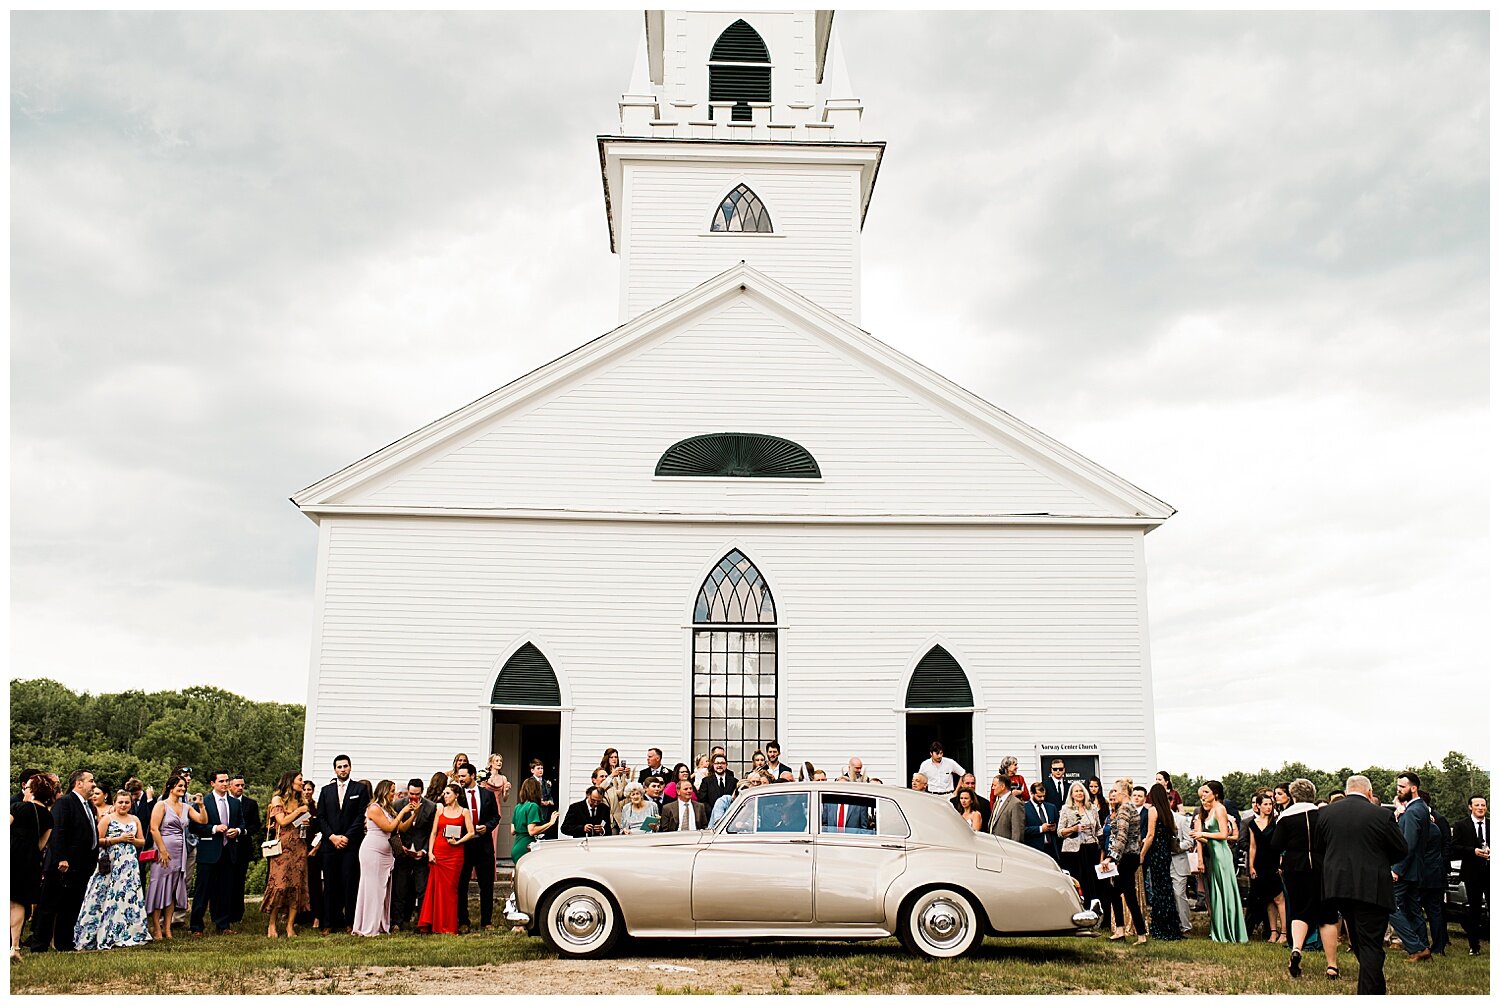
{"type": "Point", "coordinates": [1359, 842]}
{"type": "Point", "coordinates": [1414, 828]}
{"type": "Point", "coordinates": [214, 848]}
{"type": "Point", "coordinates": [1057, 799]}
{"type": "Point", "coordinates": [419, 833]}
{"type": "Point", "coordinates": [348, 820]}
{"type": "Point", "coordinates": [1035, 836]}
{"type": "Point", "coordinates": [75, 839]}
{"type": "Point", "coordinates": [711, 789]}
{"type": "Point", "coordinates": [1008, 818]}
{"type": "Point", "coordinates": [670, 815]}
{"type": "Point", "coordinates": [1471, 868]}
{"type": "Point", "coordinates": [482, 848]}
{"type": "Point", "coordinates": [142, 808]}
{"type": "Point", "coordinates": [646, 773]}
{"type": "Point", "coordinates": [856, 819]}
{"type": "Point", "coordinates": [580, 813]}
{"type": "Point", "coordinates": [250, 838]}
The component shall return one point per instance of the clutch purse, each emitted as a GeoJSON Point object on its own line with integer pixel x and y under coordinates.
{"type": "Point", "coordinates": [271, 848]}
{"type": "Point", "coordinates": [103, 862]}
{"type": "Point", "coordinates": [149, 855]}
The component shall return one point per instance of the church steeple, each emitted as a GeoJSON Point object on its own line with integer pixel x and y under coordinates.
{"type": "Point", "coordinates": [740, 139]}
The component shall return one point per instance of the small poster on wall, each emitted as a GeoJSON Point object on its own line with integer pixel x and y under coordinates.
{"type": "Point", "coordinates": [1080, 760]}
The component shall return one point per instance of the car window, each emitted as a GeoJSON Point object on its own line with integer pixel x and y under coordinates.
{"type": "Point", "coordinates": [772, 813]}
{"type": "Point", "coordinates": [889, 819]}
{"type": "Point", "coordinates": [845, 814]}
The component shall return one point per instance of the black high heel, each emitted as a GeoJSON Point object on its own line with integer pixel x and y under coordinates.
{"type": "Point", "coordinates": [1295, 966]}
{"type": "Point", "coordinates": [1333, 973]}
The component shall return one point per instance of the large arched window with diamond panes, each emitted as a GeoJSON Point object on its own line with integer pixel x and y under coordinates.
{"type": "Point", "coordinates": [741, 212]}
{"type": "Point", "coordinates": [734, 661]}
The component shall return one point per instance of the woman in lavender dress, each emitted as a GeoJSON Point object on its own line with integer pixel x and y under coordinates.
{"type": "Point", "coordinates": [372, 905]}
{"type": "Point", "coordinates": [114, 909]}
{"type": "Point", "coordinates": [167, 891]}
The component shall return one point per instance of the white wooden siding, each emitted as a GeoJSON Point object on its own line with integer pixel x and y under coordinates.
{"type": "Point", "coordinates": [417, 614]}
{"type": "Point", "coordinates": [667, 249]}
{"type": "Point", "coordinates": [594, 445]}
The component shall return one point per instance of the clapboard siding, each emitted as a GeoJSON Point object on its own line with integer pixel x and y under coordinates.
{"type": "Point", "coordinates": [594, 445]}
{"type": "Point", "coordinates": [668, 248]}
{"type": "Point", "coordinates": [417, 616]}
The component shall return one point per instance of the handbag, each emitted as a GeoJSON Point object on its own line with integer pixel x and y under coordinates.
{"type": "Point", "coordinates": [271, 848]}
{"type": "Point", "coordinates": [149, 855]}
{"type": "Point", "coordinates": [103, 861]}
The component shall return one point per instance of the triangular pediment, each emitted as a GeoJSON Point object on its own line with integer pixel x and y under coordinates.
{"type": "Point", "coordinates": [739, 352]}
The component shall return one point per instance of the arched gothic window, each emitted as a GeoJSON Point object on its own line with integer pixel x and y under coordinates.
{"type": "Point", "coordinates": [734, 661]}
{"type": "Point", "coordinates": [939, 682]}
{"type": "Point", "coordinates": [741, 212]}
{"type": "Point", "coordinates": [739, 70]}
{"type": "Point", "coordinates": [527, 679]}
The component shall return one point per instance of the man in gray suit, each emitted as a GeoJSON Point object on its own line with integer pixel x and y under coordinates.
{"type": "Point", "coordinates": [409, 881]}
{"type": "Point", "coordinates": [1359, 842]}
{"type": "Point", "coordinates": [1008, 814]}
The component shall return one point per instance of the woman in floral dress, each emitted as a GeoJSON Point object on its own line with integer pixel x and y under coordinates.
{"type": "Point", "coordinates": [286, 874]}
{"type": "Point", "coordinates": [114, 906]}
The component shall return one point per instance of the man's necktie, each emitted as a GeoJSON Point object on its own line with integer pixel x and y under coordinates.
{"type": "Point", "coordinates": [841, 816]}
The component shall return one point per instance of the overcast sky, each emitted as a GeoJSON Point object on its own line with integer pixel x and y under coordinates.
{"type": "Point", "coordinates": [1240, 260]}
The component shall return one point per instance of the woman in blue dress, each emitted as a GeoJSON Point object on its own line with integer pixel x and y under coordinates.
{"type": "Point", "coordinates": [114, 906]}
{"type": "Point", "coordinates": [1226, 922]}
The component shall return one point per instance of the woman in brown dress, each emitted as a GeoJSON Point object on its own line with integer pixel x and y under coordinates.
{"type": "Point", "coordinates": [286, 880]}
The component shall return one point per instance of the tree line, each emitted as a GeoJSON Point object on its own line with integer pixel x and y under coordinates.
{"type": "Point", "coordinates": [147, 733]}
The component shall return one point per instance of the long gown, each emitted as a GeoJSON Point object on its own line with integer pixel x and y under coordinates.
{"type": "Point", "coordinates": [114, 908]}
{"type": "Point", "coordinates": [31, 821]}
{"type": "Point", "coordinates": [1165, 924]}
{"type": "Point", "coordinates": [1226, 922]}
{"type": "Point", "coordinates": [286, 874]}
{"type": "Point", "coordinates": [440, 902]}
{"type": "Point", "coordinates": [169, 884]}
{"type": "Point", "coordinates": [372, 904]}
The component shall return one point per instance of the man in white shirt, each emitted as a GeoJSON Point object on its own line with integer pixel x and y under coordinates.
{"type": "Point", "coordinates": [1182, 844]}
{"type": "Point", "coordinates": [940, 771]}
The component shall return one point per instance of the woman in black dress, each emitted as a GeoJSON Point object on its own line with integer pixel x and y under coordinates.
{"type": "Point", "coordinates": [1302, 871]}
{"type": "Point", "coordinates": [1160, 834]}
{"type": "Point", "coordinates": [1265, 879]}
{"type": "Point", "coordinates": [30, 825]}
{"type": "Point", "coordinates": [314, 914]}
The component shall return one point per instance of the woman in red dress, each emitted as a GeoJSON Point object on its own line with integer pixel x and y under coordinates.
{"type": "Point", "coordinates": [440, 902]}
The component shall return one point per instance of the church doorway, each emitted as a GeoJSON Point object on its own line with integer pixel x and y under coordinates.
{"type": "Point", "coordinates": [954, 730]}
{"type": "Point", "coordinates": [519, 735]}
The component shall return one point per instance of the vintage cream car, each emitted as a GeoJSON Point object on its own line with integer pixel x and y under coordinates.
{"type": "Point", "coordinates": [779, 865]}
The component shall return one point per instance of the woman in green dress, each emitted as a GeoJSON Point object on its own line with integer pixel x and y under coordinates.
{"type": "Point", "coordinates": [1226, 922]}
{"type": "Point", "coordinates": [526, 819]}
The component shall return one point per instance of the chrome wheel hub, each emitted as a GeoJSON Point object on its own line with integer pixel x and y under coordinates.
{"type": "Point", "coordinates": [580, 920]}
{"type": "Point", "coordinates": [943, 924]}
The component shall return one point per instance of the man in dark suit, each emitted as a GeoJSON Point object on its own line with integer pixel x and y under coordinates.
{"type": "Point", "coordinates": [479, 854]}
{"type": "Point", "coordinates": [341, 821]}
{"type": "Point", "coordinates": [589, 817]}
{"type": "Point", "coordinates": [1358, 841]}
{"type": "Point", "coordinates": [1435, 876]}
{"type": "Point", "coordinates": [1008, 815]}
{"type": "Point", "coordinates": [684, 814]}
{"type": "Point", "coordinates": [1057, 787]}
{"type": "Point", "coordinates": [653, 765]}
{"type": "Point", "coordinates": [1471, 846]}
{"type": "Point", "coordinates": [1041, 821]}
{"type": "Point", "coordinates": [249, 847]}
{"type": "Point", "coordinates": [72, 856]}
{"type": "Point", "coordinates": [847, 815]}
{"type": "Point", "coordinates": [720, 782]}
{"type": "Point", "coordinates": [1410, 873]}
{"type": "Point", "coordinates": [218, 856]}
{"type": "Point", "coordinates": [409, 880]}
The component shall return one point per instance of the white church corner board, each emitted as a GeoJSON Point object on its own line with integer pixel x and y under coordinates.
{"type": "Point", "coordinates": [856, 561]}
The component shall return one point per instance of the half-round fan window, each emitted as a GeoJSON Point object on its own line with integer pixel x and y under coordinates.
{"type": "Point", "coordinates": [737, 455]}
{"type": "Point", "coordinates": [741, 212]}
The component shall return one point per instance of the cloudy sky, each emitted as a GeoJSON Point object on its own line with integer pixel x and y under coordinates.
{"type": "Point", "coordinates": [1240, 260]}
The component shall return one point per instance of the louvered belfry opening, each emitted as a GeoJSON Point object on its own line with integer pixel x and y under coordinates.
{"type": "Point", "coordinates": [739, 70]}
{"type": "Point", "coordinates": [737, 455]}
{"type": "Point", "coordinates": [939, 682]}
{"type": "Point", "coordinates": [527, 679]}
{"type": "Point", "coordinates": [741, 212]}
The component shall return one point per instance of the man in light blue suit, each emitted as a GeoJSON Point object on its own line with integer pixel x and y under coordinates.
{"type": "Point", "coordinates": [846, 815]}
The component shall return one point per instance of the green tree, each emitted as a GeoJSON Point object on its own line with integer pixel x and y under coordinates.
{"type": "Point", "coordinates": [44, 711]}
{"type": "Point", "coordinates": [176, 738]}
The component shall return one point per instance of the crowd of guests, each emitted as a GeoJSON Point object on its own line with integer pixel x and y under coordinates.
{"type": "Point", "coordinates": [91, 871]}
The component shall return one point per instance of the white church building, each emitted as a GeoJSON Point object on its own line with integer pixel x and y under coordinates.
{"type": "Point", "coordinates": [738, 515]}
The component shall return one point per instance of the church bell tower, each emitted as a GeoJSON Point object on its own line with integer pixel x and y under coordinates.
{"type": "Point", "coordinates": [739, 140]}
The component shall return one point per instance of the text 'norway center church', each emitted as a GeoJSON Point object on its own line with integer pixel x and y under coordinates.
{"type": "Point", "coordinates": [737, 516]}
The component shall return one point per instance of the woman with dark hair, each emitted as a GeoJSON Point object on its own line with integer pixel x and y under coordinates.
{"type": "Point", "coordinates": [969, 809]}
{"type": "Point", "coordinates": [1160, 830]}
{"type": "Point", "coordinates": [167, 890]}
{"type": "Point", "coordinates": [377, 861]}
{"type": "Point", "coordinates": [1265, 882]}
{"type": "Point", "coordinates": [286, 873]}
{"type": "Point", "coordinates": [30, 826]}
{"type": "Point", "coordinates": [1226, 922]}
{"type": "Point", "coordinates": [1301, 863]}
{"type": "Point", "coordinates": [680, 773]}
{"type": "Point", "coordinates": [312, 916]}
{"type": "Point", "coordinates": [452, 826]}
{"type": "Point", "coordinates": [435, 786]}
{"type": "Point", "coordinates": [526, 819]}
{"type": "Point", "coordinates": [1282, 795]}
{"type": "Point", "coordinates": [1098, 800]}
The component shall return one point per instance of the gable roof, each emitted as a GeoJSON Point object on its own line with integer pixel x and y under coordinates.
{"type": "Point", "coordinates": [741, 279]}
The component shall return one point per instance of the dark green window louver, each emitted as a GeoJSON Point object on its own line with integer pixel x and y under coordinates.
{"type": "Point", "coordinates": [737, 455]}
{"type": "Point", "coordinates": [527, 679]}
{"type": "Point", "coordinates": [730, 79]}
{"type": "Point", "coordinates": [939, 682]}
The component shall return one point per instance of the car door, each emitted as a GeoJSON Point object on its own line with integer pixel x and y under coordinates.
{"type": "Point", "coordinates": [758, 869]}
{"type": "Point", "coordinates": [861, 849]}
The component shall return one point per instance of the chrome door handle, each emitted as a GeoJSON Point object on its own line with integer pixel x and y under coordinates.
{"type": "Point", "coordinates": [801, 841]}
{"type": "Point", "coordinates": [894, 847]}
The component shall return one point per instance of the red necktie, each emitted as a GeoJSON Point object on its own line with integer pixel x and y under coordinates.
{"type": "Point", "coordinates": [474, 801]}
{"type": "Point", "coordinates": [841, 816]}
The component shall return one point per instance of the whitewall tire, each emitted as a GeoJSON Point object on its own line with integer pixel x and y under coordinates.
{"type": "Point", "coordinates": [579, 921]}
{"type": "Point", "coordinates": [941, 924]}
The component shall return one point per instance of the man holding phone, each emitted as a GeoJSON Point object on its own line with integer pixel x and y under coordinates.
{"type": "Point", "coordinates": [410, 879]}
{"type": "Point", "coordinates": [218, 855]}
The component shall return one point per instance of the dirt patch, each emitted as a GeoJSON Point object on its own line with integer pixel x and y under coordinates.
{"type": "Point", "coordinates": [614, 977]}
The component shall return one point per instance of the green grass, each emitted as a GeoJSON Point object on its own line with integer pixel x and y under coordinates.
{"type": "Point", "coordinates": [248, 963]}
